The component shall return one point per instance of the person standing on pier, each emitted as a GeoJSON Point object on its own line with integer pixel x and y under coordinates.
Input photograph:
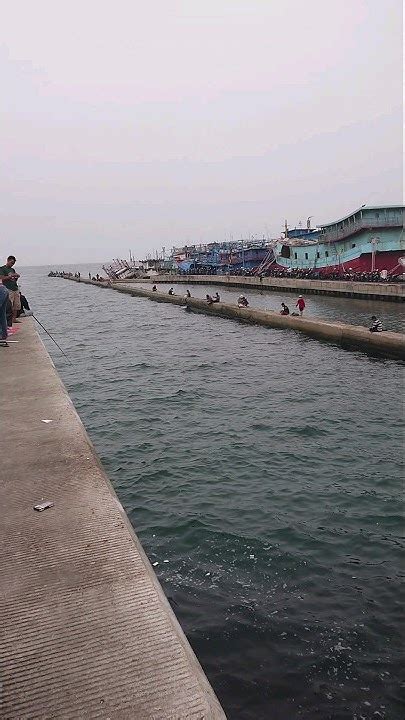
{"type": "Point", "coordinates": [9, 278]}
{"type": "Point", "coordinates": [300, 304]}
{"type": "Point", "coordinates": [3, 316]}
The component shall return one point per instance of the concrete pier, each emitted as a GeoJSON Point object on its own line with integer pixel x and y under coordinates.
{"type": "Point", "coordinates": [384, 344]}
{"type": "Point", "coordinates": [394, 292]}
{"type": "Point", "coordinates": [86, 630]}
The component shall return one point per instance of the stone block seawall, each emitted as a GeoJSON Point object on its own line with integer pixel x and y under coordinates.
{"type": "Point", "coordinates": [384, 344]}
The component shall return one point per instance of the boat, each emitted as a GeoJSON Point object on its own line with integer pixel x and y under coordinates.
{"type": "Point", "coordinates": [118, 269]}
{"type": "Point", "coordinates": [369, 239]}
{"type": "Point", "coordinates": [222, 257]}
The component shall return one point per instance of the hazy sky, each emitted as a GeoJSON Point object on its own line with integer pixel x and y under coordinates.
{"type": "Point", "coordinates": [134, 124]}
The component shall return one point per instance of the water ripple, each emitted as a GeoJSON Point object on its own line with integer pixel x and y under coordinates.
{"type": "Point", "coordinates": [262, 472]}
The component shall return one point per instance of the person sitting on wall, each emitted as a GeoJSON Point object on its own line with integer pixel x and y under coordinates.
{"type": "Point", "coordinates": [188, 293]}
{"type": "Point", "coordinates": [171, 291]}
{"type": "Point", "coordinates": [216, 298]}
{"type": "Point", "coordinates": [242, 301]}
{"type": "Point", "coordinates": [209, 299]}
{"type": "Point", "coordinates": [24, 306]}
{"type": "Point", "coordinates": [377, 325]}
{"type": "Point", "coordinates": [154, 289]}
{"type": "Point", "coordinates": [284, 309]}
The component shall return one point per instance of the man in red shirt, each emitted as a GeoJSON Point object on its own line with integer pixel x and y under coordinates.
{"type": "Point", "coordinates": [300, 304]}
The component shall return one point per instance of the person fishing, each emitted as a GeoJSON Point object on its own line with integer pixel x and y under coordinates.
{"type": "Point", "coordinates": [242, 301]}
{"type": "Point", "coordinates": [9, 278]}
{"type": "Point", "coordinates": [376, 325]}
{"type": "Point", "coordinates": [284, 309]}
{"type": "Point", "coordinates": [300, 304]}
{"type": "Point", "coordinates": [216, 298]}
{"type": "Point", "coordinates": [3, 316]}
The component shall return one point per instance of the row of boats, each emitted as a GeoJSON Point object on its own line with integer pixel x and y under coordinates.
{"type": "Point", "coordinates": [370, 239]}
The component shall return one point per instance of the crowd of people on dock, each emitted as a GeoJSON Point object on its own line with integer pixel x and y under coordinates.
{"type": "Point", "coordinates": [301, 274]}
{"type": "Point", "coordinates": [13, 304]}
{"type": "Point", "coordinates": [349, 275]}
{"type": "Point", "coordinates": [76, 275]}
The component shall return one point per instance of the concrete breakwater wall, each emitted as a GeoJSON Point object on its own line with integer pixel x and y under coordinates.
{"type": "Point", "coordinates": [385, 344]}
{"type": "Point", "coordinates": [394, 292]}
{"type": "Point", "coordinates": [86, 630]}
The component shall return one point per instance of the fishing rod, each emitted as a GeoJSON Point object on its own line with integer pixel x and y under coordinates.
{"type": "Point", "coordinates": [53, 339]}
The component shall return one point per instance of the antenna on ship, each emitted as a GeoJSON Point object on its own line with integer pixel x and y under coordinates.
{"type": "Point", "coordinates": [309, 222]}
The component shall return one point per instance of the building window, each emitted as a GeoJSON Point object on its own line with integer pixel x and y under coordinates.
{"type": "Point", "coordinates": [306, 256]}
{"type": "Point", "coordinates": [326, 254]}
{"type": "Point", "coordinates": [295, 255]}
{"type": "Point", "coordinates": [353, 245]}
{"type": "Point", "coordinates": [318, 255]}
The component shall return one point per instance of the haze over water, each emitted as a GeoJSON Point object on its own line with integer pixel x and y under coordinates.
{"type": "Point", "coordinates": [262, 472]}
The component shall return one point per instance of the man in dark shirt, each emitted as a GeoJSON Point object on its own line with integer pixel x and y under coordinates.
{"type": "Point", "coordinates": [9, 278]}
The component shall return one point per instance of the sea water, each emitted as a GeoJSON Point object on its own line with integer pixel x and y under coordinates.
{"type": "Point", "coordinates": [261, 470]}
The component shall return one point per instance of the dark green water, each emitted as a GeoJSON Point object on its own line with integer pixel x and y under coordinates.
{"type": "Point", "coordinates": [262, 472]}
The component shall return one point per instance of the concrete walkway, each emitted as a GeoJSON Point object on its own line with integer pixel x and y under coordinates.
{"type": "Point", "coordinates": [86, 631]}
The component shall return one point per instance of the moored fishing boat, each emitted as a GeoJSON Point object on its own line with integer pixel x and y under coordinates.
{"type": "Point", "coordinates": [224, 257]}
{"type": "Point", "coordinates": [369, 239]}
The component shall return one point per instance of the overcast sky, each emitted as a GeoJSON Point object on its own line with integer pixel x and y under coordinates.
{"type": "Point", "coordinates": [134, 124]}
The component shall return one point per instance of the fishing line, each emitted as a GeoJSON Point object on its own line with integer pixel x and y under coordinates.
{"type": "Point", "coordinates": [53, 339]}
